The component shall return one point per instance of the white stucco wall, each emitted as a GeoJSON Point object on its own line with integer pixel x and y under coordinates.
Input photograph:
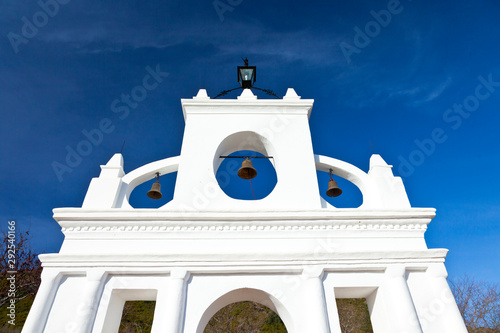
{"type": "Point", "coordinates": [290, 251]}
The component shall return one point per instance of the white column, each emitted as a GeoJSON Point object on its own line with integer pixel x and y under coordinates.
{"type": "Point", "coordinates": [39, 313]}
{"type": "Point", "coordinates": [87, 308]}
{"type": "Point", "coordinates": [315, 313]}
{"type": "Point", "coordinates": [400, 309]}
{"type": "Point", "coordinates": [175, 302]}
{"type": "Point", "coordinates": [443, 314]}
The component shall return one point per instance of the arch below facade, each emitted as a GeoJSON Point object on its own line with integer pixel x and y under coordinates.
{"type": "Point", "coordinates": [246, 294]}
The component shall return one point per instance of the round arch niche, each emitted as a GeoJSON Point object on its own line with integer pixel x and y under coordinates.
{"type": "Point", "coordinates": [245, 144]}
{"type": "Point", "coordinates": [351, 196]}
{"type": "Point", "coordinates": [246, 295]}
{"type": "Point", "coordinates": [139, 199]}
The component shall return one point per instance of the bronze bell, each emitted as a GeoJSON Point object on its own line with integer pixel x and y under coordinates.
{"type": "Point", "coordinates": [155, 193]}
{"type": "Point", "coordinates": [247, 171]}
{"type": "Point", "coordinates": [333, 189]}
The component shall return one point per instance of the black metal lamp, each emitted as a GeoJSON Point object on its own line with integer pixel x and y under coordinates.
{"type": "Point", "coordinates": [246, 78]}
{"type": "Point", "coordinates": [247, 75]}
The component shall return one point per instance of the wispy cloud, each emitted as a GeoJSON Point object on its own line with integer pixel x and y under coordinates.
{"type": "Point", "coordinates": [302, 45]}
{"type": "Point", "coordinates": [421, 94]}
{"type": "Point", "coordinates": [368, 83]}
{"type": "Point", "coordinates": [410, 92]}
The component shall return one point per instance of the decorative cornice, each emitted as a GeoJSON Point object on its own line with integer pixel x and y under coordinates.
{"type": "Point", "coordinates": [154, 220]}
{"type": "Point", "coordinates": [114, 226]}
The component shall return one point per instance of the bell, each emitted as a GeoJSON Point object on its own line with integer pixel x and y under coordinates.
{"type": "Point", "coordinates": [155, 193]}
{"type": "Point", "coordinates": [333, 189]}
{"type": "Point", "coordinates": [247, 171]}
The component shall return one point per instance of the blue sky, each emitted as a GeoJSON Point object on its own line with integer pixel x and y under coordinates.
{"type": "Point", "coordinates": [420, 80]}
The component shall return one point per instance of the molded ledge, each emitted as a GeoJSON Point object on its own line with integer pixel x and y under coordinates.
{"type": "Point", "coordinates": [210, 260]}
{"type": "Point", "coordinates": [81, 214]}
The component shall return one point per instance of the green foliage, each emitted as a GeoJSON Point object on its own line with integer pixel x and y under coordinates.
{"type": "Point", "coordinates": [245, 317]}
{"type": "Point", "coordinates": [354, 316]}
{"type": "Point", "coordinates": [22, 308]}
{"type": "Point", "coordinates": [273, 324]}
{"type": "Point", "coordinates": [137, 317]}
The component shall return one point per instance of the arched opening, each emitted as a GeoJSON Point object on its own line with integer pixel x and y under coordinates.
{"type": "Point", "coordinates": [351, 196]}
{"type": "Point", "coordinates": [248, 296]}
{"type": "Point", "coordinates": [246, 189]}
{"type": "Point", "coordinates": [251, 144]}
{"type": "Point", "coordinates": [245, 317]}
{"type": "Point", "coordinates": [139, 199]}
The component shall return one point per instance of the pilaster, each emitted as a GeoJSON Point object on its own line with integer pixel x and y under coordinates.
{"type": "Point", "coordinates": [315, 317]}
{"type": "Point", "coordinates": [40, 308]}
{"type": "Point", "coordinates": [175, 302]}
{"type": "Point", "coordinates": [86, 312]}
{"type": "Point", "coordinates": [402, 316]}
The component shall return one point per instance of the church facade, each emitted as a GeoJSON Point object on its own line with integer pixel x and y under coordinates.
{"type": "Point", "coordinates": [291, 251]}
